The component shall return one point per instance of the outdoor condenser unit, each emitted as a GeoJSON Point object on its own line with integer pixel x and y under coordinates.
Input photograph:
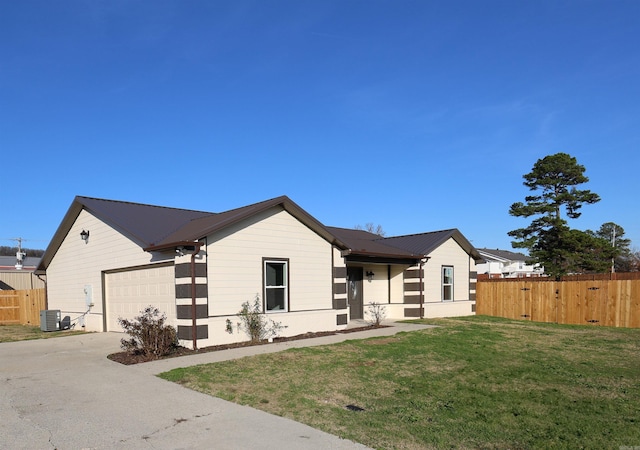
{"type": "Point", "coordinates": [50, 320]}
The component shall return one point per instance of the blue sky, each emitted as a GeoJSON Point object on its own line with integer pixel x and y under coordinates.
{"type": "Point", "coordinates": [416, 115]}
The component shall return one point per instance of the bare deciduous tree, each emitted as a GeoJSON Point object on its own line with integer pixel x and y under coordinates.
{"type": "Point", "coordinates": [371, 228]}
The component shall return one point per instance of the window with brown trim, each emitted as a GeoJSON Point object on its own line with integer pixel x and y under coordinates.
{"type": "Point", "coordinates": [276, 285]}
{"type": "Point", "coordinates": [447, 283]}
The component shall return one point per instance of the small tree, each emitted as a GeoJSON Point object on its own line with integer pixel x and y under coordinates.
{"type": "Point", "coordinates": [376, 313]}
{"type": "Point", "coordinates": [256, 323]}
{"type": "Point", "coordinates": [149, 334]}
{"type": "Point", "coordinates": [614, 234]}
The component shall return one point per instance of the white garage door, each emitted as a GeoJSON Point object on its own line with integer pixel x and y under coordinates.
{"type": "Point", "coordinates": [128, 293]}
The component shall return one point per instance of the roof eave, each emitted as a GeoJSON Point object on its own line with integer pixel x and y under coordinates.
{"type": "Point", "coordinates": [350, 253]}
{"type": "Point", "coordinates": [288, 205]}
{"type": "Point", "coordinates": [62, 231]}
{"type": "Point", "coordinates": [172, 246]}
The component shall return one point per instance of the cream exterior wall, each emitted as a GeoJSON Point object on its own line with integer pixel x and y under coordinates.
{"type": "Point", "coordinates": [449, 309]}
{"type": "Point", "coordinates": [376, 290]}
{"type": "Point", "coordinates": [381, 290]}
{"type": "Point", "coordinates": [77, 264]}
{"type": "Point", "coordinates": [235, 272]}
{"type": "Point", "coordinates": [448, 254]}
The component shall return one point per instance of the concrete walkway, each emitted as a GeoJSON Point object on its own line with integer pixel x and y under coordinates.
{"type": "Point", "coordinates": [64, 393]}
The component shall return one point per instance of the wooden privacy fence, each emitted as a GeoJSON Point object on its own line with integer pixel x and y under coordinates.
{"type": "Point", "coordinates": [607, 302]}
{"type": "Point", "coordinates": [22, 307]}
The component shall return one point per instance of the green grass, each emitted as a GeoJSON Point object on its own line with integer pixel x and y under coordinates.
{"type": "Point", "coordinates": [474, 382]}
{"type": "Point", "coordinates": [12, 333]}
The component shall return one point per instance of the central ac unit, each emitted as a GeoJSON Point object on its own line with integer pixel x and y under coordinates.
{"type": "Point", "coordinates": [50, 320]}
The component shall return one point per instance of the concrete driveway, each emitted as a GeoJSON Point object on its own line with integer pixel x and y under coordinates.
{"type": "Point", "coordinates": [64, 393]}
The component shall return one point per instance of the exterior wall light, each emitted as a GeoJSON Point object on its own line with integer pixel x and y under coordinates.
{"type": "Point", "coordinates": [370, 276]}
{"type": "Point", "coordinates": [84, 235]}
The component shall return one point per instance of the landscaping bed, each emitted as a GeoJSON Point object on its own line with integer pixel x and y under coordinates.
{"type": "Point", "coordinates": [129, 358]}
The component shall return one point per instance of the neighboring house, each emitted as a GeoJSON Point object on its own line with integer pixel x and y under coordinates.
{"type": "Point", "coordinates": [506, 264]}
{"type": "Point", "coordinates": [14, 278]}
{"type": "Point", "coordinates": [110, 259]}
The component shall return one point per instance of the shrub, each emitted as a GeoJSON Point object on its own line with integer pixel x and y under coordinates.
{"type": "Point", "coordinates": [256, 323]}
{"type": "Point", "coordinates": [149, 335]}
{"type": "Point", "coordinates": [376, 313]}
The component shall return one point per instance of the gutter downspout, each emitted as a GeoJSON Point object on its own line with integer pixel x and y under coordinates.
{"type": "Point", "coordinates": [46, 293]}
{"type": "Point", "coordinates": [423, 261]}
{"type": "Point", "coordinates": [194, 334]}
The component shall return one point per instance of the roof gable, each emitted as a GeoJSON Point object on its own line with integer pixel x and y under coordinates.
{"type": "Point", "coordinates": [204, 226]}
{"type": "Point", "coordinates": [158, 227]}
{"type": "Point", "coordinates": [142, 223]}
{"type": "Point", "coordinates": [426, 243]}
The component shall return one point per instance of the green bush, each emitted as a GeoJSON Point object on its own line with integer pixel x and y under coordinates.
{"type": "Point", "coordinates": [256, 323]}
{"type": "Point", "coordinates": [149, 335]}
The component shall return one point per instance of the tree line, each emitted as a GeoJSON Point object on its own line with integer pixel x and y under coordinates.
{"type": "Point", "coordinates": [551, 242]}
{"type": "Point", "coordinates": [11, 251]}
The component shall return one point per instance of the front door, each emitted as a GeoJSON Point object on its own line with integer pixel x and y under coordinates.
{"type": "Point", "coordinates": [354, 292]}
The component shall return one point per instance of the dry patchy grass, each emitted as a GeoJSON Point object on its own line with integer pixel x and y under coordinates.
{"type": "Point", "coordinates": [470, 383]}
{"type": "Point", "coordinates": [12, 333]}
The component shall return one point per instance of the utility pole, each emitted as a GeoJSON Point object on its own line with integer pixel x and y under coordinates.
{"type": "Point", "coordinates": [19, 254]}
{"type": "Point", "coordinates": [613, 244]}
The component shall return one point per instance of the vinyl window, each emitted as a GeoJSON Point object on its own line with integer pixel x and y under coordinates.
{"type": "Point", "coordinates": [276, 285]}
{"type": "Point", "coordinates": [447, 283]}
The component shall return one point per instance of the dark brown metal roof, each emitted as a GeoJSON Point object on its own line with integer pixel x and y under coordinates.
{"type": "Point", "coordinates": [158, 227]}
{"type": "Point", "coordinates": [426, 243]}
{"type": "Point", "coordinates": [363, 243]}
{"type": "Point", "coordinates": [413, 246]}
{"type": "Point", "coordinates": [147, 224]}
{"type": "Point", "coordinates": [144, 224]}
{"type": "Point", "coordinates": [204, 226]}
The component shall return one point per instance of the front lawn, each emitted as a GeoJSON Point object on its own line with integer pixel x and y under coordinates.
{"type": "Point", "coordinates": [475, 382]}
{"type": "Point", "coordinates": [11, 333]}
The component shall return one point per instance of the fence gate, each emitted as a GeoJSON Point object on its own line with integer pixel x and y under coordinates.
{"type": "Point", "coordinates": [600, 301]}
{"type": "Point", "coordinates": [22, 307]}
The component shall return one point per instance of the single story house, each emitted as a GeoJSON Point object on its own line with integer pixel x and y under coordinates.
{"type": "Point", "coordinates": [506, 264]}
{"type": "Point", "coordinates": [110, 259]}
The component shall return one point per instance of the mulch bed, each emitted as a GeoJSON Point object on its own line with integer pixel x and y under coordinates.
{"type": "Point", "coordinates": [128, 358]}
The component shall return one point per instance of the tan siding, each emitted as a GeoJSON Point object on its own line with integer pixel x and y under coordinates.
{"type": "Point", "coordinates": [376, 290]}
{"type": "Point", "coordinates": [397, 284]}
{"type": "Point", "coordinates": [77, 264]}
{"type": "Point", "coordinates": [235, 263]}
{"type": "Point", "coordinates": [448, 254]}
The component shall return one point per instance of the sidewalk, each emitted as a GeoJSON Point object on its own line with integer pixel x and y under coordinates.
{"type": "Point", "coordinates": [389, 329]}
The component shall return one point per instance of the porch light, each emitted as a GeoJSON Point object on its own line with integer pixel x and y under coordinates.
{"type": "Point", "coordinates": [84, 235]}
{"type": "Point", "coordinates": [370, 276]}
